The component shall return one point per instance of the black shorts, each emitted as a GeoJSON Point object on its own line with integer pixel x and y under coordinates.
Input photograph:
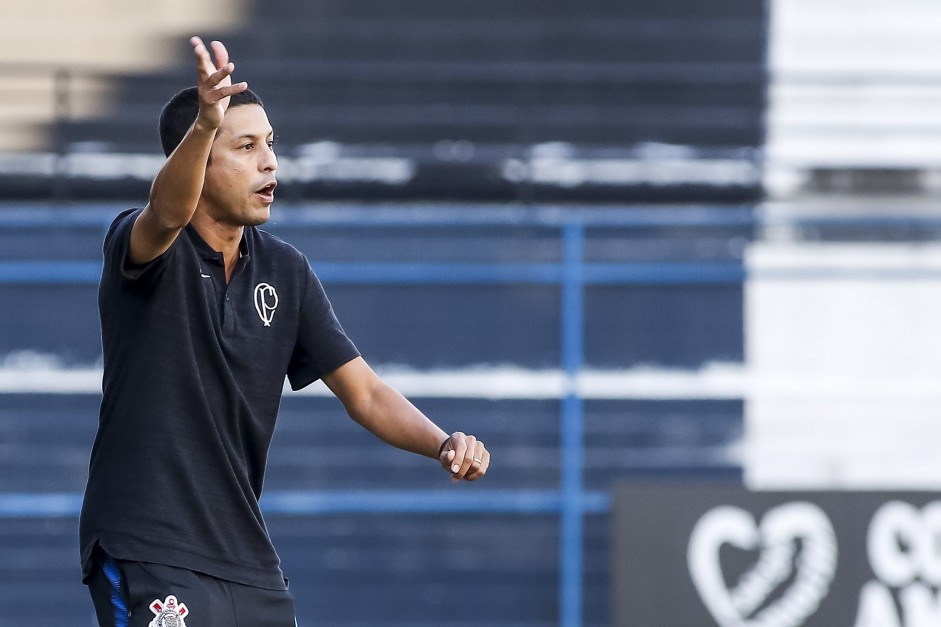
{"type": "Point", "coordinates": [140, 594]}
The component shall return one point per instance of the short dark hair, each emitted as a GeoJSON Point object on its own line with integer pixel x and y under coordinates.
{"type": "Point", "coordinates": [180, 112]}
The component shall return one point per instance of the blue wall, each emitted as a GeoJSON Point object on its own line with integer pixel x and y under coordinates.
{"type": "Point", "coordinates": [427, 287]}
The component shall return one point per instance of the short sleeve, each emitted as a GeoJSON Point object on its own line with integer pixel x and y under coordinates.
{"type": "Point", "coordinates": [116, 246]}
{"type": "Point", "coordinates": [322, 345]}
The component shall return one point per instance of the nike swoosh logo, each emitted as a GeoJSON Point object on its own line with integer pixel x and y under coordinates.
{"type": "Point", "coordinates": [205, 276]}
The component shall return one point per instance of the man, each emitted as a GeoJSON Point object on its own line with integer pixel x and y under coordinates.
{"type": "Point", "coordinates": [203, 315]}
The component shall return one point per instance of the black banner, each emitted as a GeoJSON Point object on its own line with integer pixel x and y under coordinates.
{"type": "Point", "coordinates": [700, 555]}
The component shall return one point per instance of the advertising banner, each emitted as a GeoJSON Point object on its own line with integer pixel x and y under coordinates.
{"type": "Point", "coordinates": [707, 556]}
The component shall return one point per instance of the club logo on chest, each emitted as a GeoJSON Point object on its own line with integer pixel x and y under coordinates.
{"type": "Point", "coordinates": [266, 301]}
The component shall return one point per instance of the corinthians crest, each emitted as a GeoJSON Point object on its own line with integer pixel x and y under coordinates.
{"type": "Point", "coordinates": [169, 613]}
{"type": "Point", "coordinates": [266, 301]}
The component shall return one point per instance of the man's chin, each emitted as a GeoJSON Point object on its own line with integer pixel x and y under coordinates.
{"type": "Point", "coordinates": [258, 217]}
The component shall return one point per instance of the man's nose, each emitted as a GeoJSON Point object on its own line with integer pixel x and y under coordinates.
{"type": "Point", "coordinates": [269, 161]}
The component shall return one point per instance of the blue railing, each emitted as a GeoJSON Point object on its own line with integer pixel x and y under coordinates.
{"type": "Point", "coordinates": [571, 502]}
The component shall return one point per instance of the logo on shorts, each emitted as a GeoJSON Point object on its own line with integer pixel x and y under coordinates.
{"type": "Point", "coordinates": [169, 613]}
{"type": "Point", "coordinates": [266, 301]}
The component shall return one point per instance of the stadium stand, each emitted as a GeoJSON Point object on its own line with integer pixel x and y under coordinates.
{"type": "Point", "coordinates": [488, 101]}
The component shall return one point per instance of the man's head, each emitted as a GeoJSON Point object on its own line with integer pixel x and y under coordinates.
{"type": "Point", "coordinates": [180, 112]}
{"type": "Point", "coordinates": [239, 184]}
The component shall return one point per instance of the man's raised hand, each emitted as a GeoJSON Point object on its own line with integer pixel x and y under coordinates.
{"type": "Point", "coordinates": [215, 83]}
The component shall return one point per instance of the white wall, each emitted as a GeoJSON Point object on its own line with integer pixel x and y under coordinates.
{"type": "Point", "coordinates": [843, 352]}
{"type": "Point", "coordinates": [854, 84]}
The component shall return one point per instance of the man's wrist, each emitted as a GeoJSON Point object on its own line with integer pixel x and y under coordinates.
{"type": "Point", "coordinates": [443, 444]}
{"type": "Point", "coordinates": [201, 128]}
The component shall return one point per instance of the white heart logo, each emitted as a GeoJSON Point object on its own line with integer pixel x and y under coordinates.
{"type": "Point", "coordinates": [782, 528]}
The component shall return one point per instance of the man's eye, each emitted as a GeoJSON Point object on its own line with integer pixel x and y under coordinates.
{"type": "Point", "coordinates": [270, 143]}
{"type": "Point", "coordinates": [248, 146]}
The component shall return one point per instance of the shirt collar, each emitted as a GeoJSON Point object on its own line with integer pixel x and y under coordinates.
{"type": "Point", "coordinates": [207, 253]}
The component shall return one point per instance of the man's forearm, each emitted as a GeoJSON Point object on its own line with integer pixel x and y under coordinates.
{"type": "Point", "coordinates": [176, 188]}
{"type": "Point", "coordinates": [392, 418]}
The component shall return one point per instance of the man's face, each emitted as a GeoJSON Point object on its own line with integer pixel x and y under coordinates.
{"type": "Point", "coordinates": [240, 181]}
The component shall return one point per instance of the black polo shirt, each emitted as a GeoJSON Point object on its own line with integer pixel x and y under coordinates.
{"type": "Point", "coordinates": [193, 375]}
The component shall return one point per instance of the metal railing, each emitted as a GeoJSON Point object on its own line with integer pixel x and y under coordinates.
{"type": "Point", "coordinates": [572, 273]}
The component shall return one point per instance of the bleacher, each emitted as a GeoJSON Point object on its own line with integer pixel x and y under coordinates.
{"type": "Point", "coordinates": [485, 101]}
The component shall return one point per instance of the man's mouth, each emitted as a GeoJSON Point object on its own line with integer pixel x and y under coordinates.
{"type": "Point", "coordinates": [266, 193]}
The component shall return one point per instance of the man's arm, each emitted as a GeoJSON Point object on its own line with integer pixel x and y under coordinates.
{"type": "Point", "coordinates": [393, 419]}
{"type": "Point", "coordinates": [176, 188]}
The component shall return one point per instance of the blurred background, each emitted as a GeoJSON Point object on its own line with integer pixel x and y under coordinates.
{"type": "Point", "coordinates": [658, 241]}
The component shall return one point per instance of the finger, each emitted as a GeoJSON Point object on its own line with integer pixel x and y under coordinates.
{"type": "Point", "coordinates": [218, 76]}
{"type": "Point", "coordinates": [204, 64]}
{"type": "Point", "coordinates": [479, 462]}
{"type": "Point", "coordinates": [459, 446]}
{"type": "Point", "coordinates": [220, 94]}
{"type": "Point", "coordinates": [230, 90]}
{"type": "Point", "coordinates": [220, 52]}
{"type": "Point", "coordinates": [470, 452]}
{"type": "Point", "coordinates": [221, 80]}
{"type": "Point", "coordinates": [477, 458]}
{"type": "Point", "coordinates": [446, 457]}
{"type": "Point", "coordinates": [479, 469]}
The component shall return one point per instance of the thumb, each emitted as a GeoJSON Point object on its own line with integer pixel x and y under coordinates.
{"type": "Point", "coordinates": [446, 446]}
{"type": "Point", "coordinates": [446, 456]}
